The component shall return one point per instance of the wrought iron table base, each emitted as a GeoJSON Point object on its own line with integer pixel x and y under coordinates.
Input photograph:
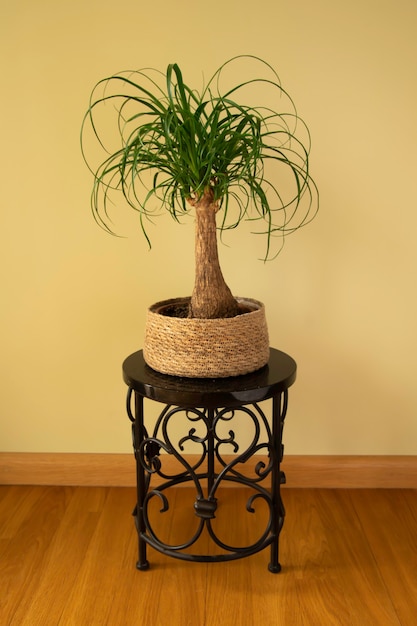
{"type": "Point", "coordinates": [209, 472]}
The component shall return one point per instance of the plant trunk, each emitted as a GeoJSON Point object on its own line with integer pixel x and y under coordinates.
{"type": "Point", "coordinates": [211, 297]}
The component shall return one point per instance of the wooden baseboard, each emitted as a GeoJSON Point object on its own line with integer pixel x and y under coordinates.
{"type": "Point", "coordinates": [118, 470]}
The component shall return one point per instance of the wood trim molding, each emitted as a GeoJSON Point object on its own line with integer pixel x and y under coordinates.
{"type": "Point", "coordinates": [118, 470]}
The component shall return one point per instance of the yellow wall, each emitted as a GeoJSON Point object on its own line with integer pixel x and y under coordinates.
{"type": "Point", "coordinates": [341, 298]}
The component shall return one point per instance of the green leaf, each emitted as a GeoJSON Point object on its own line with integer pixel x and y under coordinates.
{"type": "Point", "coordinates": [168, 143]}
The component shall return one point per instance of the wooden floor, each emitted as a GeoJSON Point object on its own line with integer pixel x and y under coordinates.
{"type": "Point", "coordinates": [67, 558]}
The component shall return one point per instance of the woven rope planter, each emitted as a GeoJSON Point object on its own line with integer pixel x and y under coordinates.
{"type": "Point", "coordinates": [206, 348]}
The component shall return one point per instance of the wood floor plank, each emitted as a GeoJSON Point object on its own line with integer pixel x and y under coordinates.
{"type": "Point", "coordinates": [108, 556]}
{"type": "Point", "coordinates": [174, 591]}
{"type": "Point", "coordinates": [25, 554]}
{"type": "Point", "coordinates": [389, 522]}
{"type": "Point", "coordinates": [63, 558]}
{"type": "Point", "coordinates": [15, 504]}
{"type": "Point", "coordinates": [69, 554]}
{"type": "Point", "coordinates": [336, 576]}
{"type": "Point", "coordinates": [320, 582]}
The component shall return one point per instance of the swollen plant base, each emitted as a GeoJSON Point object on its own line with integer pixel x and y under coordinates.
{"type": "Point", "coordinates": [206, 348]}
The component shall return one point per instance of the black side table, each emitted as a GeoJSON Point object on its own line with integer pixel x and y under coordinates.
{"type": "Point", "coordinates": [210, 406]}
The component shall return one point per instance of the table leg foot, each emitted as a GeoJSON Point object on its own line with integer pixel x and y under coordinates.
{"type": "Point", "coordinates": [142, 566]}
{"type": "Point", "coordinates": [274, 569]}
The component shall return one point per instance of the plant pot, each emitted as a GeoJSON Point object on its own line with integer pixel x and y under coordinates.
{"type": "Point", "coordinates": [206, 348]}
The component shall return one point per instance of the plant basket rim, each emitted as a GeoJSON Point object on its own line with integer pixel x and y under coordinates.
{"type": "Point", "coordinates": [253, 304]}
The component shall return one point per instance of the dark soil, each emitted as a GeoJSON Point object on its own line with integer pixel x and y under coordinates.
{"type": "Point", "coordinates": [180, 309]}
{"type": "Point", "coordinates": [175, 310]}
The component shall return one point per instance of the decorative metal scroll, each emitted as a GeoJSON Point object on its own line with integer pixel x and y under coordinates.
{"type": "Point", "coordinates": [221, 458]}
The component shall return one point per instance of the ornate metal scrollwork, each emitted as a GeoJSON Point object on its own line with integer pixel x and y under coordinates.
{"type": "Point", "coordinates": [220, 458]}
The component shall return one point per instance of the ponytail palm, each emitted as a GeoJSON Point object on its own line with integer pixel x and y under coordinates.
{"type": "Point", "coordinates": [207, 152]}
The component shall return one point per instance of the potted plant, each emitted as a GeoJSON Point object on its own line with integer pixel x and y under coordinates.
{"type": "Point", "coordinates": [226, 160]}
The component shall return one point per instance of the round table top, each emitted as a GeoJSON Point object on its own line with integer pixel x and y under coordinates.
{"type": "Point", "coordinates": [276, 376]}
